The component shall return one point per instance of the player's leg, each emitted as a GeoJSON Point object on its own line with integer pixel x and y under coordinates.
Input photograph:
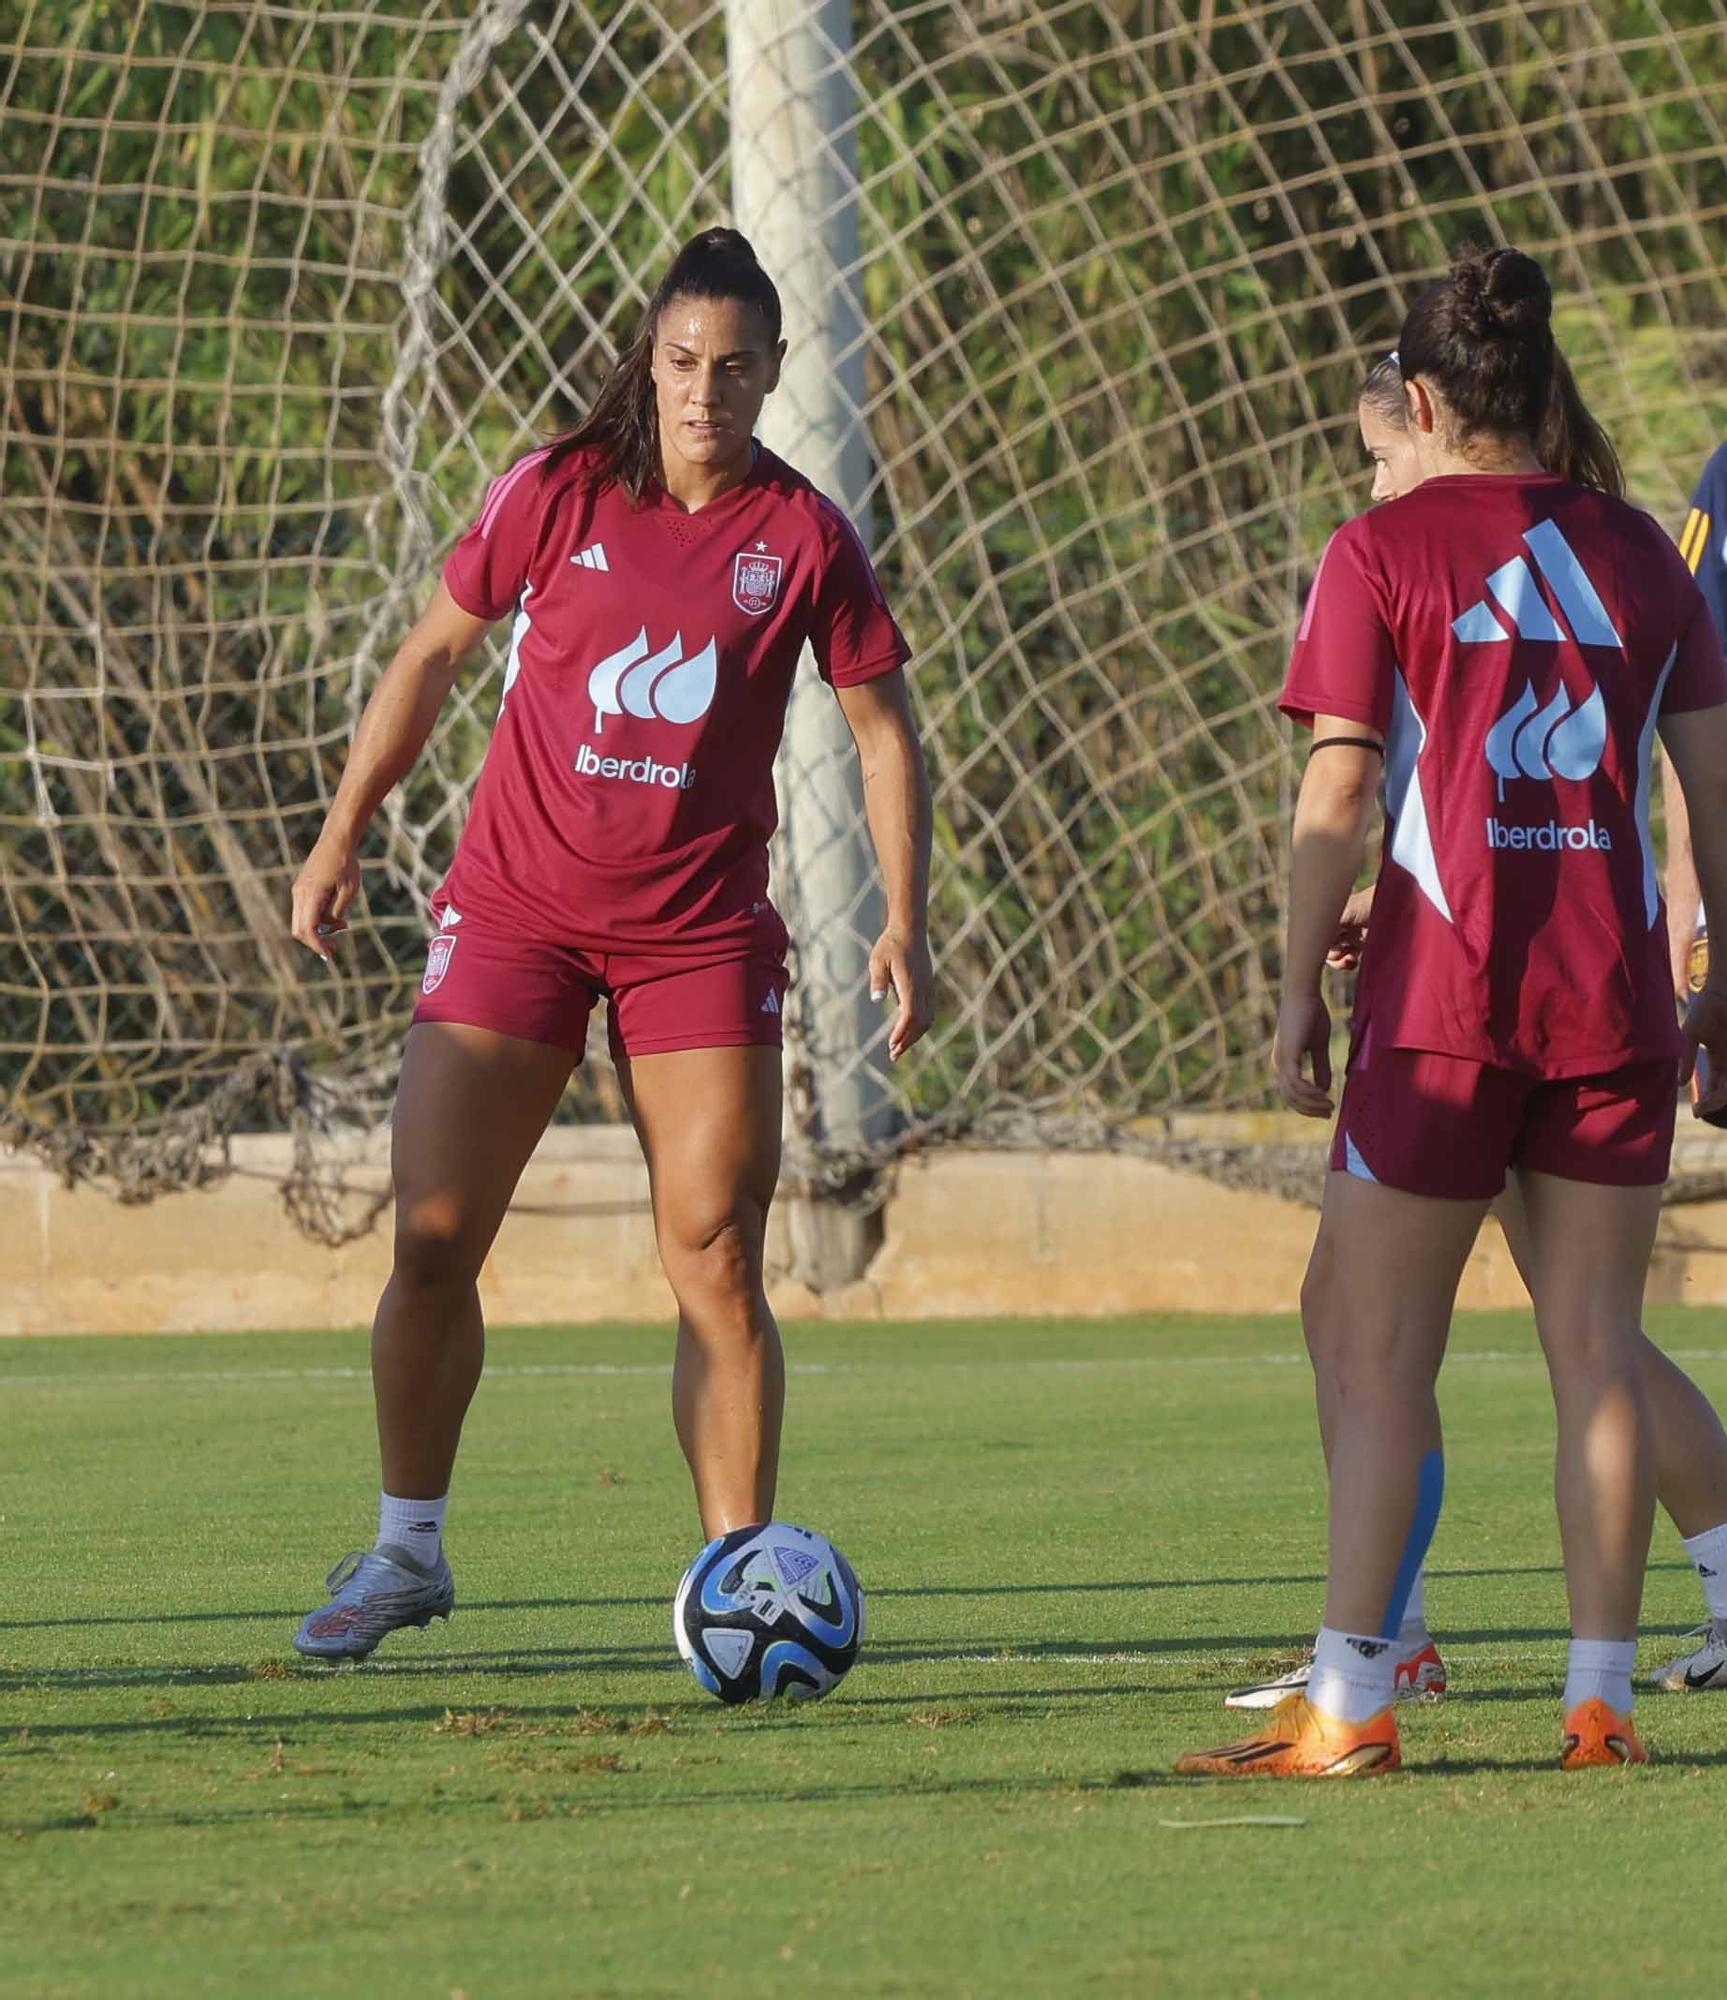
{"type": "Point", "coordinates": [1399, 1256]}
{"type": "Point", "coordinates": [1420, 1669]}
{"type": "Point", "coordinates": [470, 1109]}
{"type": "Point", "coordinates": [1589, 1247]}
{"type": "Point", "coordinates": [1421, 1148]}
{"type": "Point", "coordinates": [1690, 1475]}
{"type": "Point", "coordinates": [709, 1121]}
{"type": "Point", "coordinates": [1395, 1259]}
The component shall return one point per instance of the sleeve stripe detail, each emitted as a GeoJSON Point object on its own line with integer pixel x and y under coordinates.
{"type": "Point", "coordinates": [1695, 538]}
{"type": "Point", "coordinates": [500, 490]}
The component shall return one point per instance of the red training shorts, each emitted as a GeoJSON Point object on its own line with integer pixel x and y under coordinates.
{"type": "Point", "coordinates": [516, 985]}
{"type": "Point", "coordinates": [1441, 1125]}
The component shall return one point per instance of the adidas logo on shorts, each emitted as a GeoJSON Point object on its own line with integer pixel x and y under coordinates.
{"type": "Point", "coordinates": [771, 1005]}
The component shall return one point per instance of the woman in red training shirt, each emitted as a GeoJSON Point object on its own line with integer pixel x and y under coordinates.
{"type": "Point", "coordinates": [1509, 643]}
{"type": "Point", "coordinates": [663, 572]}
{"type": "Point", "coordinates": [1689, 1444]}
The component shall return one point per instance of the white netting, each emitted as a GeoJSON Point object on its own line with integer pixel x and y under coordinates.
{"type": "Point", "coordinates": [285, 283]}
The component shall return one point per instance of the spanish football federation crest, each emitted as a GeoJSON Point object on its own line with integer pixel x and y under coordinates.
{"type": "Point", "coordinates": [756, 581]}
{"type": "Point", "coordinates": [438, 955]}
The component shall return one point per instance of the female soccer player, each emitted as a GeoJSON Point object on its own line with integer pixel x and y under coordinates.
{"type": "Point", "coordinates": [1689, 1443]}
{"type": "Point", "coordinates": [1509, 643]}
{"type": "Point", "coordinates": [663, 572]}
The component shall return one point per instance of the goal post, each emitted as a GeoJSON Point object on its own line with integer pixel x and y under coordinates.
{"type": "Point", "coordinates": [795, 195]}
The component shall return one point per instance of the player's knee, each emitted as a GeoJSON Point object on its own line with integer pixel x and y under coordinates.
{"type": "Point", "coordinates": [1372, 1364]}
{"type": "Point", "coordinates": [1317, 1292]}
{"type": "Point", "coordinates": [1593, 1343]}
{"type": "Point", "coordinates": [717, 1262]}
{"type": "Point", "coordinates": [433, 1248]}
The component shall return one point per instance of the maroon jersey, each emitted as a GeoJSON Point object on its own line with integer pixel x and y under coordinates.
{"type": "Point", "coordinates": [627, 797]}
{"type": "Point", "coordinates": [1517, 640]}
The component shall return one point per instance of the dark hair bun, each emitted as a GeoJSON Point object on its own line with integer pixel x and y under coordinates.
{"type": "Point", "coordinates": [721, 242]}
{"type": "Point", "coordinates": [1501, 294]}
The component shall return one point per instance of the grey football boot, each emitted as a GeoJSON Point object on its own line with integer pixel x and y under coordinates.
{"type": "Point", "coordinates": [1691, 1673]}
{"type": "Point", "coordinates": [374, 1592]}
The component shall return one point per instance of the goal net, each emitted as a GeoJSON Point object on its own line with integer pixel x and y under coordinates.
{"type": "Point", "coordinates": [285, 283]}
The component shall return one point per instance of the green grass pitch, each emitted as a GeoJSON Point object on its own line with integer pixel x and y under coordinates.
{"type": "Point", "coordinates": [1074, 1538]}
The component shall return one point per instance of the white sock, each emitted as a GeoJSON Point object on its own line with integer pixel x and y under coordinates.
{"type": "Point", "coordinates": [1600, 1670]}
{"type": "Point", "coordinates": [1709, 1552]}
{"type": "Point", "coordinates": [1352, 1675]}
{"type": "Point", "coordinates": [1412, 1633]}
{"type": "Point", "coordinates": [414, 1525]}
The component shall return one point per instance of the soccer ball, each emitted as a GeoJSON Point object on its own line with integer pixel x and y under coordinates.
{"type": "Point", "coordinates": [772, 1611]}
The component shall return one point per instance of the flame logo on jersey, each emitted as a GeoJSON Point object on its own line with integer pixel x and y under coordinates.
{"type": "Point", "coordinates": [665, 686]}
{"type": "Point", "coordinates": [1553, 741]}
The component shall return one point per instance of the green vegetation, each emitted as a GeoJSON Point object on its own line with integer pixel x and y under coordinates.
{"type": "Point", "coordinates": [1075, 1538]}
{"type": "Point", "coordinates": [1123, 265]}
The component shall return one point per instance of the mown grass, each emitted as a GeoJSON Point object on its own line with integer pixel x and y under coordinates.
{"type": "Point", "coordinates": [1074, 1536]}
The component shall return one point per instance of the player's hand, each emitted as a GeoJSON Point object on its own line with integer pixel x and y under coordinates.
{"type": "Point", "coordinates": [323, 891]}
{"type": "Point", "coordinates": [1706, 1029]}
{"type": "Point", "coordinates": [1303, 1041]}
{"type": "Point", "coordinates": [1347, 946]}
{"type": "Point", "coordinates": [900, 964]}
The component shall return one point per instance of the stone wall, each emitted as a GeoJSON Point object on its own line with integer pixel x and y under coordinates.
{"type": "Point", "coordinates": [966, 1233]}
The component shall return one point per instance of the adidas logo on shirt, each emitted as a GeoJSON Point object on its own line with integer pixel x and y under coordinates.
{"type": "Point", "coordinates": [1514, 595]}
{"type": "Point", "coordinates": [592, 557]}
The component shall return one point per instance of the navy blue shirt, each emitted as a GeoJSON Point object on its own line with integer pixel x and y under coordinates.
{"type": "Point", "coordinates": [1704, 542]}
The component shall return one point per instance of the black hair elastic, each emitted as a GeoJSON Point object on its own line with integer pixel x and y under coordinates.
{"type": "Point", "coordinates": [1349, 742]}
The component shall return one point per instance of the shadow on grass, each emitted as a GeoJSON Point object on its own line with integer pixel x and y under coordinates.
{"type": "Point", "coordinates": [1214, 1653]}
{"type": "Point", "coordinates": [551, 1662]}
{"type": "Point", "coordinates": [1213, 1657]}
{"type": "Point", "coordinates": [885, 1593]}
{"type": "Point", "coordinates": [1476, 1767]}
{"type": "Point", "coordinates": [600, 1795]}
{"type": "Point", "coordinates": [608, 1794]}
{"type": "Point", "coordinates": [304, 1725]}
{"type": "Point", "coordinates": [1422, 1769]}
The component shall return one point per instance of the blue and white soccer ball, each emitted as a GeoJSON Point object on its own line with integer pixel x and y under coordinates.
{"type": "Point", "coordinates": [766, 1612]}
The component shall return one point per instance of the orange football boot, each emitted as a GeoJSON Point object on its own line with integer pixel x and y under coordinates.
{"type": "Point", "coordinates": [1301, 1741]}
{"type": "Point", "coordinates": [1594, 1735]}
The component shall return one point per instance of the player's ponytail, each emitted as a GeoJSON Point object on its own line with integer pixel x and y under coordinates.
{"type": "Point", "coordinates": [1569, 442]}
{"type": "Point", "coordinates": [1483, 338]}
{"type": "Point", "coordinates": [622, 424]}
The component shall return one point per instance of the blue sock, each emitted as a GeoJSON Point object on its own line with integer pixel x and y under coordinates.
{"type": "Point", "coordinates": [1429, 1496]}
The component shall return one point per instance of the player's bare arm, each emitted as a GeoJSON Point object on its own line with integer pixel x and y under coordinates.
{"type": "Point", "coordinates": [1332, 815]}
{"type": "Point", "coordinates": [1682, 891]}
{"type": "Point", "coordinates": [897, 804]}
{"type": "Point", "coordinates": [1696, 744]}
{"type": "Point", "coordinates": [391, 734]}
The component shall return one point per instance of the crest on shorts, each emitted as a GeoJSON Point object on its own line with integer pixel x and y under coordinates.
{"type": "Point", "coordinates": [438, 956]}
{"type": "Point", "coordinates": [756, 582]}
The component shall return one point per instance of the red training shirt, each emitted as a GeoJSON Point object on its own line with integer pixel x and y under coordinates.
{"type": "Point", "coordinates": [627, 798]}
{"type": "Point", "coordinates": [1516, 638]}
